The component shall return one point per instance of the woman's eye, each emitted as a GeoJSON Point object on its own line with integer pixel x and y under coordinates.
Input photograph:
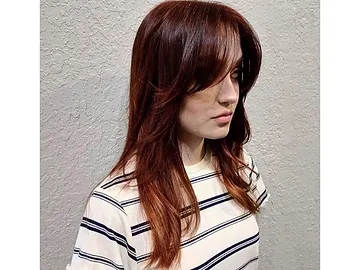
{"type": "Point", "coordinates": [236, 74]}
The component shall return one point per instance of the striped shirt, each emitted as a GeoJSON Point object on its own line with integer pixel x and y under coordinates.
{"type": "Point", "coordinates": [115, 234]}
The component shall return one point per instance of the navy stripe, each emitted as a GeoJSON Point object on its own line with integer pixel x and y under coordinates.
{"type": "Point", "coordinates": [109, 231]}
{"type": "Point", "coordinates": [194, 180]}
{"type": "Point", "coordinates": [246, 264]}
{"type": "Point", "coordinates": [145, 226]}
{"type": "Point", "coordinates": [220, 196]}
{"type": "Point", "coordinates": [215, 229]}
{"type": "Point", "coordinates": [116, 180]}
{"type": "Point", "coordinates": [97, 259]}
{"type": "Point", "coordinates": [137, 226]}
{"type": "Point", "coordinates": [130, 202]}
{"type": "Point", "coordinates": [253, 167]}
{"type": "Point", "coordinates": [211, 203]}
{"type": "Point", "coordinates": [206, 233]}
{"type": "Point", "coordinates": [203, 177]}
{"type": "Point", "coordinates": [142, 230]}
{"type": "Point", "coordinates": [208, 201]}
{"type": "Point", "coordinates": [228, 252]}
{"type": "Point", "coordinates": [251, 182]}
{"type": "Point", "coordinates": [122, 179]}
{"type": "Point", "coordinates": [108, 199]}
{"type": "Point", "coordinates": [97, 227]}
{"type": "Point", "coordinates": [251, 173]}
{"type": "Point", "coordinates": [262, 197]}
{"type": "Point", "coordinates": [136, 200]}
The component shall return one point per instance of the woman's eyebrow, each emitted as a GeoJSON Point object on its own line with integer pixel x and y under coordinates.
{"type": "Point", "coordinates": [238, 62]}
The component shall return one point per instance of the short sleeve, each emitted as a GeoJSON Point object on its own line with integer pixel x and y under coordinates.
{"type": "Point", "coordinates": [104, 237]}
{"type": "Point", "coordinates": [258, 191]}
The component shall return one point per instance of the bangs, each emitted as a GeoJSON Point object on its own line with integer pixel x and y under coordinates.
{"type": "Point", "coordinates": [219, 50]}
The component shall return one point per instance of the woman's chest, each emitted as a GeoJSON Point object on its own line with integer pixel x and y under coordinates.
{"type": "Point", "coordinates": [227, 238]}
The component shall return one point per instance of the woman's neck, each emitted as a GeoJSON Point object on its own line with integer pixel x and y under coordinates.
{"type": "Point", "coordinates": [192, 151]}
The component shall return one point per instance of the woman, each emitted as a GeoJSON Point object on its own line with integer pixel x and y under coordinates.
{"type": "Point", "coordinates": [184, 194]}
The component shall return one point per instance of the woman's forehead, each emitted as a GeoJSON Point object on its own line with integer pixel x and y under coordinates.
{"type": "Point", "coordinates": [235, 56]}
{"type": "Point", "coordinates": [233, 45]}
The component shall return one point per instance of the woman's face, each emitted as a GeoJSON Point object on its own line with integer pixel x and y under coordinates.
{"type": "Point", "coordinates": [198, 112]}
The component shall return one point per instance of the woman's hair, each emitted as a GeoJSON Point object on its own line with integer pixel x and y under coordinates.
{"type": "Point", "coordinates": [182, 47]}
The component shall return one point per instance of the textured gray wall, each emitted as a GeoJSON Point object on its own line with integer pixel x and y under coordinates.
{"type": "Point", "coordinates": [85, 60]}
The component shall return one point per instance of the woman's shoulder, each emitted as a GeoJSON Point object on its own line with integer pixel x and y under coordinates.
{"type": "Point", "coordinates": [251, 169]}
{"type": "Point", "coordinates": [116, 189]}
{"type": "Point", "coordinates": [247, 158]}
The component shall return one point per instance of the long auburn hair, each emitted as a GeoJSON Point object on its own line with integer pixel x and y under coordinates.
{"type": "Point", "coordinates": [182, 47]}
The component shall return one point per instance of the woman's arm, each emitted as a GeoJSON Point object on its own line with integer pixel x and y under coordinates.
{"type": "Point", "coordinates": [104, 237]}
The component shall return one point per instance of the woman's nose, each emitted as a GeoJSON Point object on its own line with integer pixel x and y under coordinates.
{"type": "Point", "coordinates": [229, 90]}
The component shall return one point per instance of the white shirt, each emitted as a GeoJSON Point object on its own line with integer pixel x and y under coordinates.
{"type": "Point", "coordinates": [115, 235]}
